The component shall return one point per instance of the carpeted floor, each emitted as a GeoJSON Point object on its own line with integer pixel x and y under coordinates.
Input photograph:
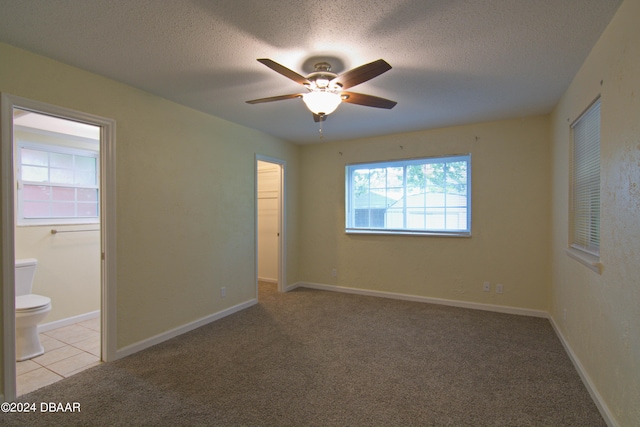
{"type": "Point", "coordinates": [316, 358]}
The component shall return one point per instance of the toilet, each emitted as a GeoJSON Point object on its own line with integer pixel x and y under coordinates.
{"type": "Point", "coordinates": [31, 309]}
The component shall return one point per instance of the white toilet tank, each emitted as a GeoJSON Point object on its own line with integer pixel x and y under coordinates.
{"type": "Point", "coordinates": [25, 272]}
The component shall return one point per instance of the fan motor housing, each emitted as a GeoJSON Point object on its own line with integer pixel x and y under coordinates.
{"type": "Point", "coordinates": [322, 75]}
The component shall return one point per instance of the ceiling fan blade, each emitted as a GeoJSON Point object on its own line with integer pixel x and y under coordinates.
{"type": "Point", "coordinates": [367, 100]}
{"type": "Point", "coordinates": [275, 98]}
{"type": "Point", "coordinates": [362, 73]}
{"type": "Point", "coordinates": [319, 118]}
{"type": "Point", "coordinates": [285, 71]}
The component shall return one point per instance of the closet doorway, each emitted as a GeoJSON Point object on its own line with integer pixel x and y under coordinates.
{"type": "Point", "coordinates": [270, 222]}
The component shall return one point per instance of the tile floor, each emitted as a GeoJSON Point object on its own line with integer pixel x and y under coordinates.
{"type": "Point", "coordinates": [67, 351]}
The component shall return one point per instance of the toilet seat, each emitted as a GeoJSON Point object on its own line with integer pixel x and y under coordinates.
{"type": "Point", "coordinates": [31, 302]}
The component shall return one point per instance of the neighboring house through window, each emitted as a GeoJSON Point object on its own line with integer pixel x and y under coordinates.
{"type": "Point", "coordinates": [412, 196]}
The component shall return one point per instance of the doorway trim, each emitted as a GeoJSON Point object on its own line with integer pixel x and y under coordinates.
{"type": "Point", "coordinates": [282, 240]}
{"type": "Point", "coordinates": [107, 228]}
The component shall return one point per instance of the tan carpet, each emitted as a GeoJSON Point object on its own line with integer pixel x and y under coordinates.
{"type": "Point", "coordinates": [315, 358]}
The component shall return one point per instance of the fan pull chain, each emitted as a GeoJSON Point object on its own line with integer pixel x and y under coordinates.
{"type": "Point", "coordinates": [320, 130]}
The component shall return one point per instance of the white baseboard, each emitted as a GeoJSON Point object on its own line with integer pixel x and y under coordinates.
{"type": "Point", "coordinates": [157, 339]}
{"type": "Point", "coordinates": [267, 279]}
{"type": "Point", "coordinates": [416, 298]}
{"type": "Point", "coordinates": [68, 321]}
{"type": "Point", "coordinates": [586, 380]}
{"type": "Point", "coordinates": [292, 286]}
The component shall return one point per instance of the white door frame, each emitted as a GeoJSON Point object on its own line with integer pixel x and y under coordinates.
{"type": "Point", "coordinates": [107, 229]}
{"type": "Point", "coordinates": [282, 239]}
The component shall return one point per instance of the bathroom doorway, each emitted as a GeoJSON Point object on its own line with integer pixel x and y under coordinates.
{"type": "Point", "coordinates": [55, 209]}
{"type": "Point", "coordinates": [270, 239]}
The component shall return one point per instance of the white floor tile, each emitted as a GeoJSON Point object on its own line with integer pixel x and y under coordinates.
{"type": "Point", "coordinates": [91, 345]}
{"type": "Point", "coordinates": [50, 343]}
{"type": "Point", "coordinates": [56, 355]}
{"type": "Point", "coordinates": [68, 350]}
{"type": "Point", "coordinates": [36, 379]}
{"type": "Point", "coordinates": [90, 365]}
{"type": "Point", "coordinates": [72, 333]}
{"type": "Point", "coordinates": [72, 364]}
{"type": "Point", "coordinates": [26, 366]}
{"type": "Point", "coordinates": [93, 324]}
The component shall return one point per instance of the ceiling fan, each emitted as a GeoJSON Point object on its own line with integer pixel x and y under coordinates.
{"type": "Point", "coordinates": [326, 90]}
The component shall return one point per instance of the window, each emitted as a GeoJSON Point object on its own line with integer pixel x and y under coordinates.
{"type": "Point", "coordinates": [584, 215]}
{"type": "Point", "coordinates": [413, 196]}
{"type": "Point", "coordinates": [57, 185]}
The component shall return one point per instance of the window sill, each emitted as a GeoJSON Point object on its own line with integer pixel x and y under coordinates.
{"type": "Point", "coordinates": [50, 223]}
{"type": "Point", "coordinates": [591, 261]}
{"type": "Point", "coordinates": [407, 233]}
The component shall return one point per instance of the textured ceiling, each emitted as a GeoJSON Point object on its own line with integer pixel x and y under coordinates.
{"type": "Point", "coordinates": [454, 61]}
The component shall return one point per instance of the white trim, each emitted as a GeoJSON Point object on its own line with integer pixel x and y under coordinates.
{"type": "Point", "coordinates": [586, 380]}
{"type": "Point", "coordinates": [107, 222]}
{"type": "Point", "coordinates": [417, 298]}
{"type": "Point", "coordinates": [282, 218]}
{"type": "Point", "coordinates": [398, 232]}
{"type": "Point", "coordinates": [268, 280]}
{"type": "Point", "coordinates": [157, 339]}
{"type": "Point", "coordinates": [591, 261]}
{"type": "Point", "coordinates": [8, 250]}
{"type": "Point", "coordinates": [108, 308]}
{"type": "Point", "coordinates": [68, 321]}
{"type": "Point", "coordinates": [293, 286]}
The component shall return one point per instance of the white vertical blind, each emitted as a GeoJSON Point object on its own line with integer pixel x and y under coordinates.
{"type": "Point", "coordinates": [585, 182]}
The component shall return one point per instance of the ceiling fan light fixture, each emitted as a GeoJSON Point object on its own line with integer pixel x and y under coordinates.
{"type": "Point", "coordinates": [322, 82]}
{"type": "Point", "coordinates": [326, 88]}
{"type": "Point", "coordinates": [322, 102]}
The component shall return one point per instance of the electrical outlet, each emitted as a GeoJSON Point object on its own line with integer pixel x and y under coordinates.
{"type": "Point", "coordinates": [223, 291]}
{"type": "Point", "coordinates": [334, 272]}
{"type": "Point", "coordinates": [486, 287]}
{"type": "Point", "coordinates": [499, 288]}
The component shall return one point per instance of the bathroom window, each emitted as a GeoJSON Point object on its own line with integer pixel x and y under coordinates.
{"type": "Point", "coordinates": [57, 185]}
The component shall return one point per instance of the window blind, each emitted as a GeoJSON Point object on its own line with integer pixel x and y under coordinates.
{"type": "Point", "coordinates": [585, 182]}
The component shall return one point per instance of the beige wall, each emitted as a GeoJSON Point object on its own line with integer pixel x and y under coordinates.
{"type": "Point", "coordinates": [185, 195]}
{"type": "Point", "coordinates": [510, 218]}
{"type": "Point", "coordinates": [68, 269]}
{"type": "Point", "coordinates": [603, 316]}
{"type": "Point", "coordinates": [186, 204]}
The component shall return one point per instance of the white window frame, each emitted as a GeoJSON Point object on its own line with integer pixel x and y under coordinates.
{"type": "Point", "coordinates": [52, 148]}
{"type": "Point", "coordinates": [584, 188]}
{"type": "Point", "coordinates": [350, 204]}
